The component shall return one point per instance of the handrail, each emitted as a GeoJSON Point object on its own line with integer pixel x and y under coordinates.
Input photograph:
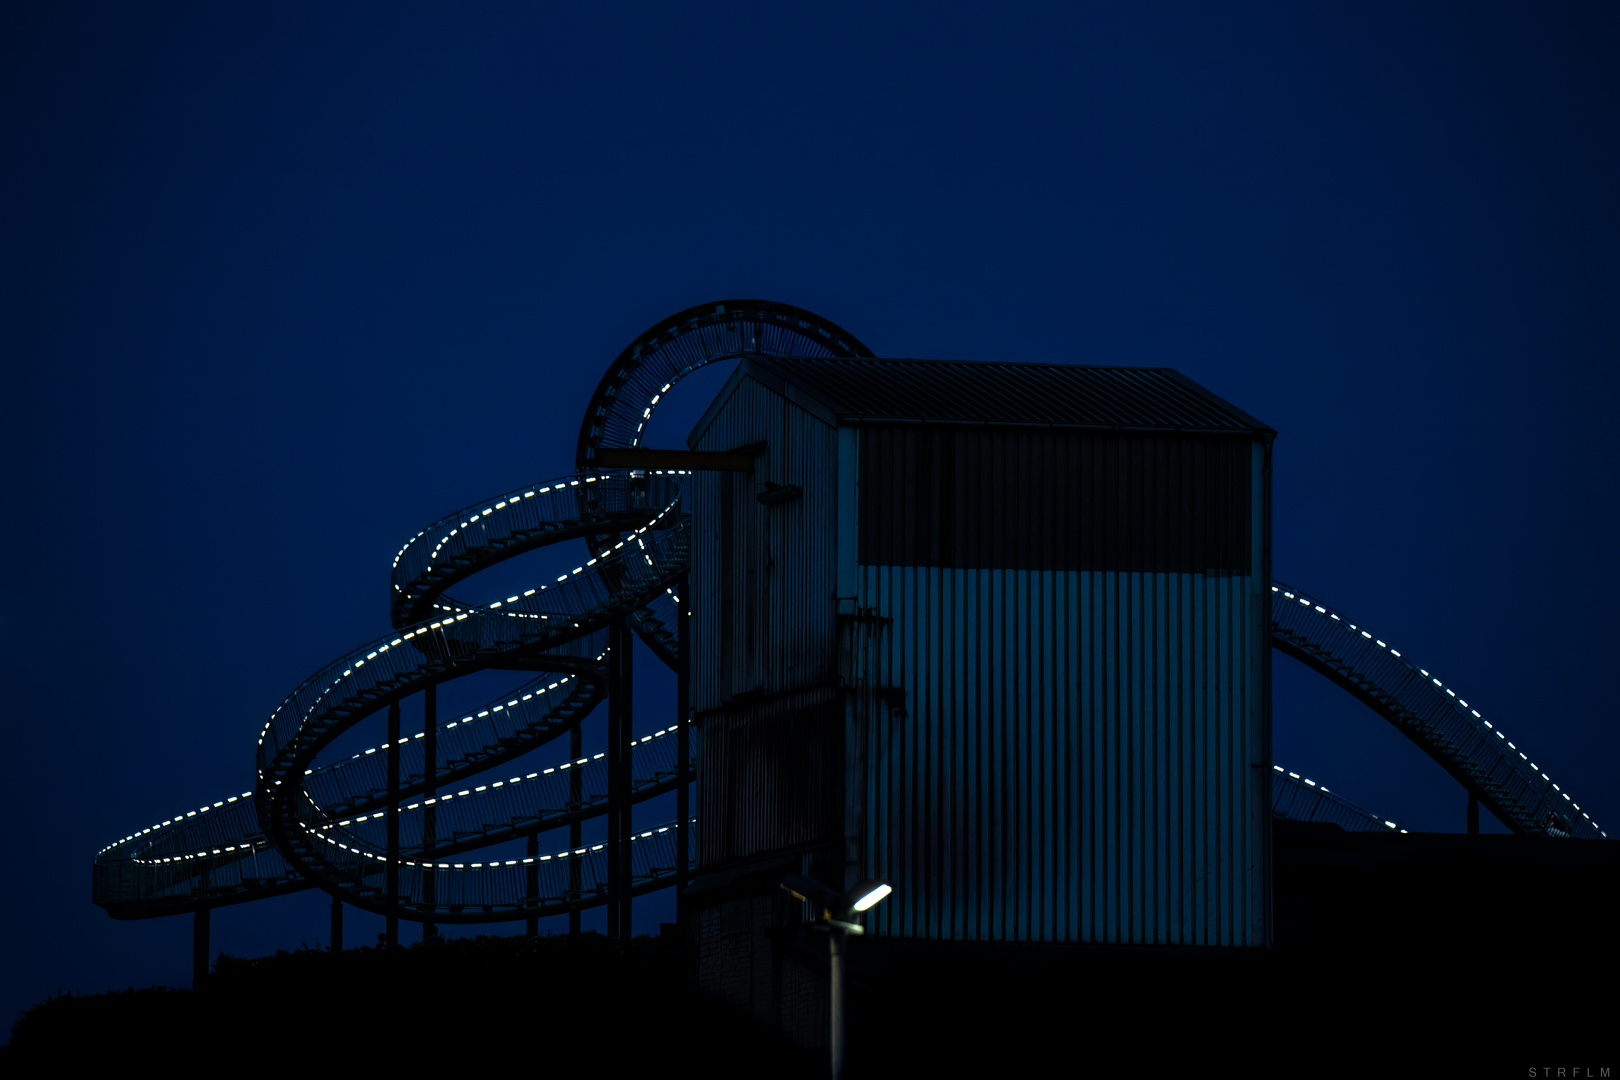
{"type": "Point", "coordinates": [307, 823]}
{"type": "Point", "coordinates": [1432, 714]}
{"type": "Point", "coordinates": [301, 824]}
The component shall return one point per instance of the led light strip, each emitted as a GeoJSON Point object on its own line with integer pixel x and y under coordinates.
{"type": "Point", "coordinates": [382, 857]}
{"type": "Point", "coordinates": [1489, 729]}
{"type": "Point", "coordinates": [342, 692]}
{"type": "Point", "coordinates": [1340, 800]}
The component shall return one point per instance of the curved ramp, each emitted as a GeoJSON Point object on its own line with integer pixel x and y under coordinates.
{"type": "Point", "coordinates": [306, 823]}
{"type": "Point", "coordinates": [1299, 798]}
{"type": "Point", "coordinates": [1471, 748]}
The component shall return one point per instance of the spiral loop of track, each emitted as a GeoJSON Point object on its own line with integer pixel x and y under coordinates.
{"type": "Point", "coordinates": [309, 823]}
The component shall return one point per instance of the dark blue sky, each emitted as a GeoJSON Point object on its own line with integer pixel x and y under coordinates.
{"type": "Point", "coordinates": [283, 285]}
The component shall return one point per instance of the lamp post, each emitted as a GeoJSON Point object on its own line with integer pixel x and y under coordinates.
{"type": "Point", "coordinates": [837, 912]}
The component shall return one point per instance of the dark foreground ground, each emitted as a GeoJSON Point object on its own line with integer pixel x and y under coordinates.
{"type": "Point", "coordinates": [556, 1003]}
{"type": "Point", "coordinates": [1395, 956]}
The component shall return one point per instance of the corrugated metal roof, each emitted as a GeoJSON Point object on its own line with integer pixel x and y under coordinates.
{"type": "Point", "coordinates": [959, 391]}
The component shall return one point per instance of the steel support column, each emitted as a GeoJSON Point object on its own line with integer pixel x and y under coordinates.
{"type": "Point", "coordinates": [533, 881]}
{"type": "Point", "coordinates": [838, 1029]}
{"type": "Point", "coordinates": [337, 925]}
{"type": "Point", "coordinates": [391, 877]}
{"type": "Point", "coordinates": [626, 740]}
{"type": "Point", "coordinates": [430, 773]}
{"type": "Point", "coordinates": [620, 684]}
{"type": "Point", "coordinates": [1473, 814]}
{"type": "Point", "coordinates": [576, 749]}
{"type": "Point", "coordinates": [683, 745]}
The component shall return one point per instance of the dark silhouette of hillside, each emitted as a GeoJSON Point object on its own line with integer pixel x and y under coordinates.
{"type": "Point", "coordinates": [1396, 955]}
{"type": "Point", "coordinates": [561, 1002]}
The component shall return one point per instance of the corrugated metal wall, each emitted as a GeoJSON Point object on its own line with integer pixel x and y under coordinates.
{"type": "Point", "coordinates": [771, 776]}
{"type": "Point", "coordinates": [764, 644]}
{"type": "Point", "coordinates": [1059, 727]}
{"type": "Point", "coordinates": [1041, 711]}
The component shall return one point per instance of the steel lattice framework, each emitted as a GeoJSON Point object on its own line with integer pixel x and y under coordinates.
{"type": "Point", "coordinates": [307, 824]}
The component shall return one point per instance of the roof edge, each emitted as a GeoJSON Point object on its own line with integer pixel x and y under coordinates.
{"type": "Point", "coordinates": [778, 372]}
{"type": "Point", "coordinates": [1222, 402]}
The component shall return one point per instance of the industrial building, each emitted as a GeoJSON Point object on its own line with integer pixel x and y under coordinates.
{"type": "Point", "coordinates": [997, 634]}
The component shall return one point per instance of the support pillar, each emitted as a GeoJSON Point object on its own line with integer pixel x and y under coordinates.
{"type": "Point", "coordinates": [838, 1030]}
{"type": "Point", "coordinates": [576, 750]}
{"type": "Point", "coordinates": [614, 745]}
{"type": "Point", "coordinates": [626, 741]}
{"type": "Point", "coordinates": [533, 882]}
{"type": "Point", "coordinates": [199, 948]}
{"type": "Point", "coordinates": [337, 925]}
{"type": "Point", "coordinates": [683, 745]}
{"type": "Point", "coordinates": [391, 877]}
{"type": "Point", "coordinates": [430, 774]}
{"type": "Point", "coordinates": [620, 686]}
{"type": "Point", "coordinates": [1473, 813]}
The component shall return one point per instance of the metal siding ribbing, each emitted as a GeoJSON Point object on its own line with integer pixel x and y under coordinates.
{"type": "Point", "coordinates": [763, 575]}
{"type": "Point", "coordinates": [1050, 765]}
{"type": "Point", "coordinates": [771, 776]}
{"type": "Point", "coordinates": [763, 632]}
{"type": "Point", "coordinates": [801, 554]}
{"type": "Point", "coordinates": [1052, 752]}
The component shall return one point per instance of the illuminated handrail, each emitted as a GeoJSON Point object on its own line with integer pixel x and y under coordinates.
{"type": "Point", "coordinates": [286, 836]}
{"type": "Point", "coordinates": [1299, 798]}
{"type": "Point", "coordinates": [1430, 713]}
{"type": "Point", "coordinates": [306, 824]}
{"type": "Point", "coordinates": [461, 544]}
{"type": "Point", "coordinates": [471, 891]}
{"type": "Point", "coordinates": [344, 692]}
{"type": "Point", "coordinates": [218, 855]}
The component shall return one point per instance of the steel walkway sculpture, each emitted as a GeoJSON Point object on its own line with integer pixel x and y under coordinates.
{"type": "Point", "coordinates": [1450, 730]}
{"type": "Point", "coordinates": [307, 824]}
{"type": "Point", "coordinates": [1299, 798]}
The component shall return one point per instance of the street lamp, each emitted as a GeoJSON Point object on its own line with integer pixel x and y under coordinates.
{"type": "Point", "coordinates": [837, 910]}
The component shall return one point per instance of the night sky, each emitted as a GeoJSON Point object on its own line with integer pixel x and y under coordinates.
{"type": "Point", "coordinates": [284, 286]}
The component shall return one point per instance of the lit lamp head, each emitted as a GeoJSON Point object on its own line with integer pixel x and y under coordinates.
{"type": "Point", "coordinates": [837, 908]}
{"type": "Point", "coordinates": [875, 891]}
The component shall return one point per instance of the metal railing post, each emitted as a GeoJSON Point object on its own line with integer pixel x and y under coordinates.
{"type": "Point", "coordinates": [576, 744]}
{"type": "Point", "coordinates": [391, 878]}
{"type": "Point", "coordinates": [620, 689]}
{"type": "Point", "coordinates": [532, 883]}
{"type": "Point", "coordinates": [683, 744]}
{"type": "Point", "coordinates": [430, 772]}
